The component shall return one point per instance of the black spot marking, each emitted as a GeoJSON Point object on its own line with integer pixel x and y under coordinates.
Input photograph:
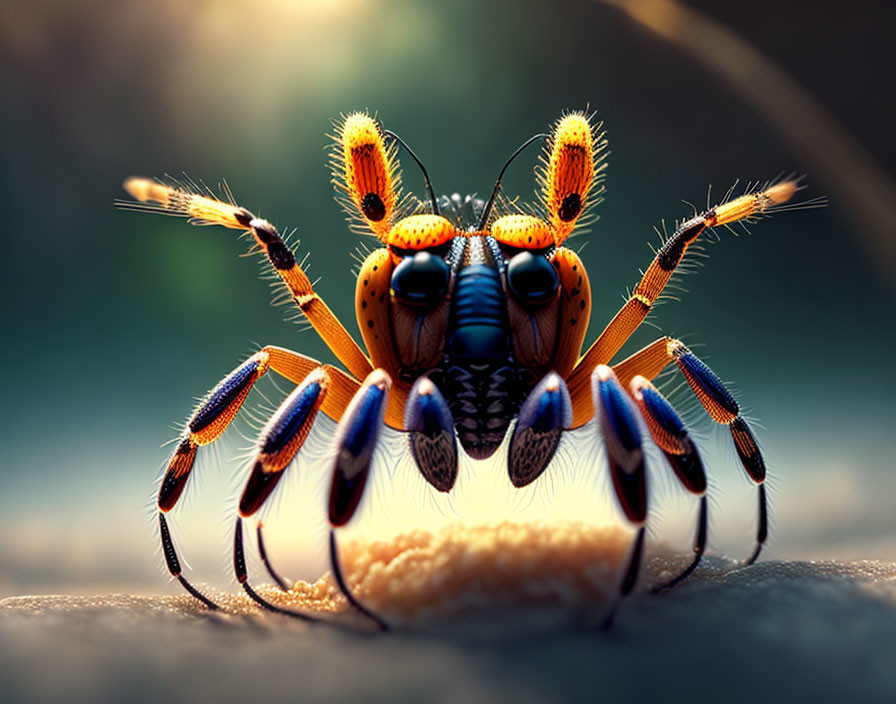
{"type": "Point", "coordinates": [670, 255]}
{"type": "Point", "coordinates": [363, 304]}
{"type": "Point", "coordinates": [265, 233]}
{"type": "Point", "coordinates": [582, 304]}
{"type": "Point", "coordinates": [243, 217]}
{"type": "Point", "coordinates": [748, 450]}
{"type": "Point", "coordinates": [373, 207]}
{"type": "Point", "coordinates": [370, 324]}
{"type": "Point", "coordinates": [280, 256]}
{"type": "Point", "coordinates": [570, 207]}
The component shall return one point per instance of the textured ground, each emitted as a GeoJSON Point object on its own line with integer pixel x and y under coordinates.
{"type": "Point", "coordinates": [777, 631]}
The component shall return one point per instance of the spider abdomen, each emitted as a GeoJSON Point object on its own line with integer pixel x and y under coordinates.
{"type": "Point", "coordinates": [483, 399]}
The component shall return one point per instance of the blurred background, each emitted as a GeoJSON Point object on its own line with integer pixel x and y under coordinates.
{"type": "Point", "coordinates": [113, 322]}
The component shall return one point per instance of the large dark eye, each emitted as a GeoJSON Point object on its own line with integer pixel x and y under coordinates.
{"type": "Point", "coordinates": [421, 280]}
{"type": "Point", "coordinates": [531, 278]}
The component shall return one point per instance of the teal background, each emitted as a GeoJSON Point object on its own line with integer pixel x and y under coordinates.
{"type": "Point", "coordinates": [113, 322]}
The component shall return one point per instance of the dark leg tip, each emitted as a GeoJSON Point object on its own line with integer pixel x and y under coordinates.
{"type": "Point", "coordinates": [263, 553]}
{"type": "Point", "coordinates": [346, 592]}
{"type": "Point", "coordinates": [174, 568]}
{"type": "Point", "coordinates": [699, 549]}
{"type": "Point", "coordinates": [753, 557]}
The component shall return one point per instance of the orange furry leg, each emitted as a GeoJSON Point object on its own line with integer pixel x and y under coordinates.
{"type": "Point", "coordinates": [660, 271]}
{"type": "Point", "coordinates": [205, 210]}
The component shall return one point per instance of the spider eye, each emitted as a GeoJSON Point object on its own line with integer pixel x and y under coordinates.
{"type": "Point", "coordinates": [421, 280]}
{"type": "Point", "coordinates": [531, 278]}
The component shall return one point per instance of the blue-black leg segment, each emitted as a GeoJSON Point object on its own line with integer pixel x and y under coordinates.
{"type": "Point", "coordinates": [618, 425]}
{"type": "Point", "coordinates": [671, 436]}
{"type": "Point", "coordinates": [431, 435]}
{"type": "Point", "coordinates": [723, 408]}
{"type": "Point", "coordinates": [281, 440]}
{"type": "Point", "coordinates": [356, 439]}
{"type": "Point", "coordinates": [543, 417]}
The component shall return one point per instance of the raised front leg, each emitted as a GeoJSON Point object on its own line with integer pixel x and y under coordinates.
{"type": "Point", "coordinates": [205, 210]}
{"type": "Point", "coordinates": [658, 274]}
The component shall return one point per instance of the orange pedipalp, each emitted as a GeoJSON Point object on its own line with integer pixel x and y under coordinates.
{"type": "Point", "coordinates": [369, 172]}
{"type": "Point", "coordinates": [570, 172]}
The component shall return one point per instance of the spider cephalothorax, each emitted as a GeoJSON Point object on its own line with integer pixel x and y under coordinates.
{"type": "Point", "coordinates": [473, 322]}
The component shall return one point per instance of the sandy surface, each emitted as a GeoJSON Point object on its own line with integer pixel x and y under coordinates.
{"type": "Point", "coordinates": [778, 631]}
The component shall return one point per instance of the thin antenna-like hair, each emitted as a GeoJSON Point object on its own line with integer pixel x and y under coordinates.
{"type": "Point", "coordinates": [486, 211]}
{"type": "Point", "coordinates": [389, 134]}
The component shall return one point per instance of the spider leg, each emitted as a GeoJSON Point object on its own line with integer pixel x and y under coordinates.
{"type": "Point", "coordinates": [263, 554]}
{"type": "Point", "coordinates": [205, 210]}
{"type": "Point", "coordinates": [282, 438]}
{"type": "Point", "coordinates": [431, 435]}
{"type": "Point", "coordinates": [654, 280]}
{"type": "Point", "coordinates": [242, 576]}
{"type": "Point", "coordinates": [543, 417]}
{"type": "Point", "coordinates": [356, 440]}
{"type": "Point", "coordinates": [211, 418]}
{"type": "Point", "coordinates": [617, 423]}
{"type": "Point", "coordinates": [721, 406]}
{"type": "Point", "coordinates": [279, 442]}
{"type": "Point", "coordinates": [718, 402]}
{"type": "Point", "coordinates": [671, 436]}
{"type": "Point", "coordinates": [174, 567]}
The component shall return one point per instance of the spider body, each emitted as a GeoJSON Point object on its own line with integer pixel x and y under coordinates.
{"type": "Point", "coordinates": [474, 324]}
{"type": "Point", "coordinates": [482, 363]}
